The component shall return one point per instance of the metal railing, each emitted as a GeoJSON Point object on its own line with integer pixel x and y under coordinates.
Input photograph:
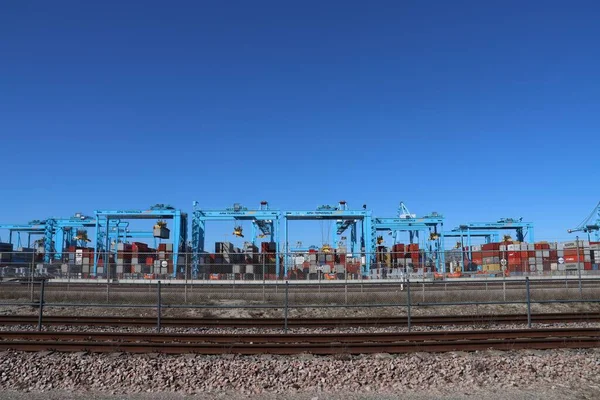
{"type": "Point", "coordinates": [396, 298]}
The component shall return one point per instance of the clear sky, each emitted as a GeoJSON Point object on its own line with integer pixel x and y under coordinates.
{"type": "Point", "coordinates": [475, 109]}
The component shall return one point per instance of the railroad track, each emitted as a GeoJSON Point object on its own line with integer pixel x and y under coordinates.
{"type": "Point", "coordinates": [320, 344]}
{"type": "Point", "coordinates": [547, 318]}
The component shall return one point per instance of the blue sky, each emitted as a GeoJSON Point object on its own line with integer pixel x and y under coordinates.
{"type": "Point", "coordinates": [477, 110]}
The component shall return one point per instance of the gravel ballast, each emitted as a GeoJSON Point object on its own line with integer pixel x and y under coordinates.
{"type": "Point", "coordinates": [465, 374]}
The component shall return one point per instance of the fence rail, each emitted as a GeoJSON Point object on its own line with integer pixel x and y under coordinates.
{"type": "Point", "coordinates": [404, 296]}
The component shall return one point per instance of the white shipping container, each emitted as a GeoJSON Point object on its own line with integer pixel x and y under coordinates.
{"type": "Point", "coordinates": [326, 269]}
{"type": "Point", "coordinates": [553, 246]}
{"type": "Point", "coordinates": [545, 253]}
{"type": "Point", "coordinates": [538, 253]}
{"type": "Point", "coordinates": [530, 246]}
{"type": "Point", "coordinates": [503, 247]}
{"type": "Point", "coordinates": [249, 269]}
{"type": "Point", "coordinates": [237, 269]}
{"type": "Point", "coordinates": [560, 253]}
{"type": "Point", "coordinates": [553, 266]}
{"type": "Point", "coordinates": [574, 244]}
{"type": "Point", "coordinates": [531, 260]}
{"type": "Point", "coordinates": [513, 247]}
{"type": "Point", "coordinates": [476, 247]}
{"type": "Point", "coordinates": [339, 269]}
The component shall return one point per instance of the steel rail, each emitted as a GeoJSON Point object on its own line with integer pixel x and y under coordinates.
{"type": "Point", "coordinates": [385, 337]}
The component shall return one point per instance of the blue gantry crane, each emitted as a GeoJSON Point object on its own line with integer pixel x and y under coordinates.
{"type": "Point", "coordinates": [488, 236]}
{"type": "Point", "coordinates": [264, 221]}
{"type": "Point", "coordinates": [523, 230]}
{"type": "Point", "coordinates": [57, 233]}
{"type": "Point", "coordinates": [431, 226]}
{"type": "Point", "coordinates": [345, 219]}
{"type": "Point", "coordinates": [112, 224]}
{"type": "Point", "coordinates": [32, 228]}
{"type": "Point", "coordinates": [65, 232]}
{"type": "Point", "coordinates": [590, 225]}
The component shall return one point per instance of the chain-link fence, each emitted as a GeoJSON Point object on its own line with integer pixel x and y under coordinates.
{"type": "Point", "coordinates": [44, 298]}
{"type": "Point", "coordinates": [312, 266]}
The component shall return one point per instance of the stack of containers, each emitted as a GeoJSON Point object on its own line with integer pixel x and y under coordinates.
{"type": "Point", "coordinates": [269, 249]}
{"type": "Point", "coordinates": [80, 260]}
{"type": "Point", "coordinates": [595, 255]}
{"type": "Point", "coordinates": [577, 255]}
{"type": "Point", "coordinates": [139, 253]}
{"type": "Point", "coordinates": [398, 255]}
{"type": "Point", "coordinates": [340, 260]}
{"type": "Point", "coordinates": [23, 255]}
{"type": "Point", "coordinates": [542, 257]}
{"type": "Point", "coordinates": [517, 257]}
{"type": "Point", "coordinates": [123, 258]}
{"type": "Point", "coordinates": [165, 253]}
{"type": "Point", "coordinates": [476, 255]}
{"type": "Point", "coordinates": [312, 261]}
{"type": "Point", "coordinates": [6, 252]}
{"type": "Point", "coordinates": [413, 252]}
{"type": "Point", "coordinates": [490, 257]}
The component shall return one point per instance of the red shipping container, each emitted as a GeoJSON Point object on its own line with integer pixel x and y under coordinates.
{"type": "Point", "coordinates": [572, 252]}
{"type": "Point", "coordinates": [573, 259]}
{"type": "Point", "coordinates": [587, 266]}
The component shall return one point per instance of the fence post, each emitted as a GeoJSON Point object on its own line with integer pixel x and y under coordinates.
{"type": "Point", "coordinates": [579, 269]}
{"type": "Point", "coordinates": [285, 309]}
{"type": "Point", "coordinates": [31, 274]}
{"type": "Point", "coordinates": [158, 307]}
{"type": "Point", "coordinates": [264, 277]}
{"type": "Point", "coordinates": [346, 281]}
{"type": "Point", "coordinates": [43, 283]}
{"type": "Point", "coordinates": [528, 303]}
{"type": "Point", "coordinates": [186, 279]}
{"type": "Point", "coordinates": [408, 301]}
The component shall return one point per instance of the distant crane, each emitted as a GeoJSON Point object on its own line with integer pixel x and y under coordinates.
{"type": "Point", "coordinates": [590, 224]}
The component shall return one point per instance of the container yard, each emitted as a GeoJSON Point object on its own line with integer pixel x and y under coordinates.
{"type": "Point", "coordinates": [357, 246]}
